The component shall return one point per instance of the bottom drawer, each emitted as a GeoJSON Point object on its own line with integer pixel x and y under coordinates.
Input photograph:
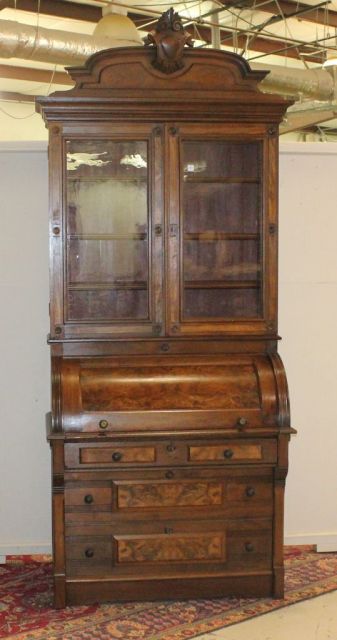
{"type": "Point", "coordinates": [173, 547]}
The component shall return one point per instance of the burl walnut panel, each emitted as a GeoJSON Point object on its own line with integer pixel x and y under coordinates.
{"type": "Point", "coordinates": [170, 494]}
{"type": "Point", "coordinates": [121, 454]}
{"type": "Point", "coordinates": [169, 387]}
{"type": "Point", "coordinates": [218, 452]}
{"type": "Point", "coordinates": [166, 548]}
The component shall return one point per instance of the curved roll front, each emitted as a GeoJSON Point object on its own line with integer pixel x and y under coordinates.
{"type": "Point", "coordinates": [229, 392]}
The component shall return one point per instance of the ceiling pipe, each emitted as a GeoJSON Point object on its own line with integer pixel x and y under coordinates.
{"type": "Point", "coordinates": [317, 84]}
{"type": "Point", "coordinates": [58, 47]}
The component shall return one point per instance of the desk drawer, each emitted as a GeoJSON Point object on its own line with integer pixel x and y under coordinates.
{"type": "Point", "coordinates": [173, 546]}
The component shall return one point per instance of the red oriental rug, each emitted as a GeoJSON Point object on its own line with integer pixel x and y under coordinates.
{"type": "Point", "coordinates": [26, 611]}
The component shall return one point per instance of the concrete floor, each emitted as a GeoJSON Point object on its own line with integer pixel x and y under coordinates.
{"type": "Point", "coordinates": [314, 619]}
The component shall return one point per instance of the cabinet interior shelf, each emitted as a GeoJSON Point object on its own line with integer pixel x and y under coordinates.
{"type": "Point", "coordinates": [96, 286]}
{"type": "Point", "coordinates": [106, 178]}
{"type": "Point", "coordinates": [214, 236]}
{"type": "Point", "coordinates": [107, 236]}
{"type": "Point", "coordinates": [220, 180]}
{"type": "Point", "coordinates": [221, 284]}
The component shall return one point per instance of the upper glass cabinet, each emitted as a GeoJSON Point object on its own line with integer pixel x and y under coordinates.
{"type": "Point", "coordinates": [110, 250]}
{"type": "Point", "coordinates": [108, 226]}
{"type": "Point", "coordinates": [165, 233]}
{"type": "Point", "coordinates": [218, 232]}
{"type": "Point", "coordinates": [221, 212]}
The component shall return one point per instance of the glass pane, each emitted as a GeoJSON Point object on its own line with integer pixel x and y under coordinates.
{"type": "Point", "coordinates": [216, 159]}
{"type": "Point", "coordinates": [106, 260]}
{"type": "Point", "coordinates": [107, 230]}
{"type": "Point", "coordinates": [220, 259]}
{"type": "Point", "coordinates": [231, 208]}
{"type": "Point", "coordinates": [221, 199]}
{"type": "Point", "coordinates": [227, 303]}
{"type": "Point", "coordinates": [107, 304]}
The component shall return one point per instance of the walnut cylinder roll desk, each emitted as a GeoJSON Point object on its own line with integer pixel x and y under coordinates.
{"type": "Point", "coordinates": [170, 417]}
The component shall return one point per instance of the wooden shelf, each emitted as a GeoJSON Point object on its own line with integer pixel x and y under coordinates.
{"type": "Point", "coordinates": [221, 284]}
{"type": "Point", "coordinates": [214, 236]}
{"type": "Point", "coordinates": [107, 236]}
{"type": "Point", "coordinates": [106, 178]}
{"type": "Point", "coordinates": [101, 286]}
{"type": "Point", "coordinates": [220, 180]}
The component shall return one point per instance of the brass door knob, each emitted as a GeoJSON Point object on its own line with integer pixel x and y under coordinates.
{"type": "Point", "coordinates": [88, 499]}
{"type": "Point", "coordinates": [103, 424]}
{"type": "Point", "coordinates": [117, 456]}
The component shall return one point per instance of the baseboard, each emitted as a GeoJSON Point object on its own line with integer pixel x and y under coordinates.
{"type": "Point", "coordinates": [24, 549]}
{"type": "Point", "coordinates": [325, 542]}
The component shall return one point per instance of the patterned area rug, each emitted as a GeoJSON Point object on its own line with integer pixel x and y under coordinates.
{"type": "Point", "coordinates": [26, 611]}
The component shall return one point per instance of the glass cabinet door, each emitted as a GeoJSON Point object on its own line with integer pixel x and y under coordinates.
{"type": "Point", "coordinates": [220, 257]}
{"type": "Point", "coordinates": [110, 267]}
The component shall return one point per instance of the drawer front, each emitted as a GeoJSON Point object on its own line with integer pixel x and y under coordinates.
{"type": "Point", "coordinates": [114, 455]}
{"type": "Point", "coordinates": [184, 493]}
{"type": "Point", "coordinates": [170, 452]}
{"type": "Point", "coordinates": [172, 547]}
{"type": "Point", "coordinates": [232, 452]}
{"type": "Point", "coordinates": [108, 454]}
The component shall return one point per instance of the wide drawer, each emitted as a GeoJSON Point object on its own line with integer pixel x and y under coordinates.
{"type": "Point", "coordinates": [170, 452]}
{"type": "Point", "coordinates": [175, 547]}
{"type": "Point", "coordinates": [180, 493]}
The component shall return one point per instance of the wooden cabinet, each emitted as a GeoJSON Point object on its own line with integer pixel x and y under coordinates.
{"type": "Point", "coordinates": [170, 415]}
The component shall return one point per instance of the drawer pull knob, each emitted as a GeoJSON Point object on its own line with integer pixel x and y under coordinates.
{"type": "Point", "coordinates": [88, 499]}
{"type": "Point", "coordinates": [228, 453]}
{"type": "Point", "coordinates": [168, 530]}
{"type": "Point", "coordinates": [117, 456]}
{"type": "Point", "coordinates": [169, 474]}
{"type": "Point", "coordinates": [170, 448]}
{"type": "Point", "coordinates": [250, 492]}
{"type": "Point", "coordinates": [242, 422]}
{"type": "Point", "coordinates": [89, 553]}
{"type": "Point", "coordinates": [103, 424]}
{"type": "Point", "coordinates": [249, 547]}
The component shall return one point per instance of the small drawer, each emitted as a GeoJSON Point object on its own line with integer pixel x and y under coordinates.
{"type": "Point", "coordinates": [122, 455]}
{"type": "Point", "coordinates": [234, 452]}
{"type": "Point", "coordinates": [108, 455]}
{"type": "Point", "coordinates": [89, 497]}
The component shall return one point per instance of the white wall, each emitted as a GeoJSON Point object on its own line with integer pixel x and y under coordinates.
{"type": "Point", "coordinates": [308, 315]}
{"type": "Point", "coordinates": [308, 323]}
{"type": "Point", "coordinates": [24, 365]}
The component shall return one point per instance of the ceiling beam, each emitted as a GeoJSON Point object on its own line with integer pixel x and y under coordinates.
{"type": "Point", "coordinates": [318, 15]}
{"type": "Point", "coordinates": [90, 13]}
{"type": "Point", "coordinates": [12, 96]}
{"type": "Point", "coordinates": [34, 75]}
{"type": "Point", "coordinates": [58, 8]}
{"type": "Point", "coordinates": [263, 45]}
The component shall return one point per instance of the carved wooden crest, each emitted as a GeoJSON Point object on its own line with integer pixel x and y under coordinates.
{"type": "Point", "coordinates": [169, 38]}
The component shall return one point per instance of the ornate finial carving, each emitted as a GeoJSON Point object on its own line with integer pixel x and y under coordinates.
{"type": "Point", "coordinates": [169, 38]}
